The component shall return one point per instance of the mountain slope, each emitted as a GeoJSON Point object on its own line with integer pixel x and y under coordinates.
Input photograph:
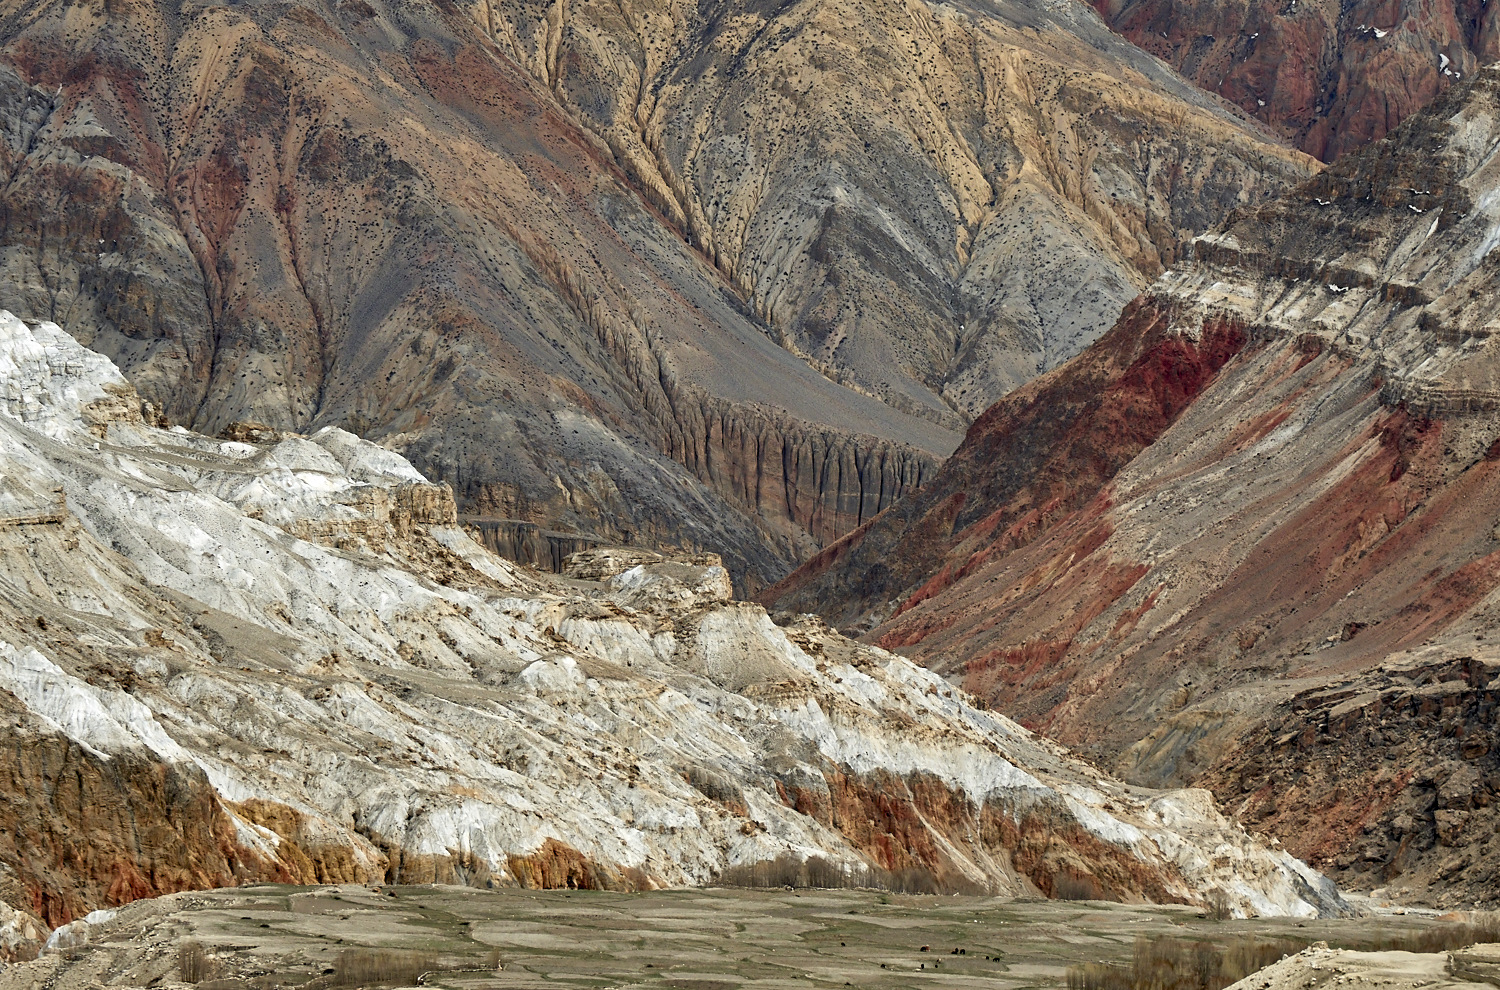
{"type": "Point", "coordinates": [1248, 539]}
{"type": "Point", "coordinates": [455, 234]}
{"type": "Point", "coordinates": [226, 661]}
{"type": "Point", "coordinates": [935, 201]}
{"type": "Point", "coordinates": [1330, 76]}
{"type": "Point", "coordinates": [306, 215]}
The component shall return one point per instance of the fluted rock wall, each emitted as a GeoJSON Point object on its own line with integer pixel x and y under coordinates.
{"type": "Point", "coordinates": [602, 270]}
{"type": "Point", "coordinates": [1036, 457]}
{"type": "Point", "coordinates": [230, 205]}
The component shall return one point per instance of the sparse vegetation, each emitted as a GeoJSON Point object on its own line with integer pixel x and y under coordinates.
{"type": "Point", "coordinates": [1175, 964]}
{"type": "Point", "coordinates": [193, 963]}
{"type": "Point", "coordinates": [1481, 927]}
{"type": "Point", "coordinates": [358, 967]}
{"type": "Point", "coordinates": [787, 870]}
{"type": "Point", "coordinates": [1073, 887]}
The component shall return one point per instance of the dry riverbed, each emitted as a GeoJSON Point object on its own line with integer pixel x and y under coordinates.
{"type": "Point", "coordinates": [267, 936]}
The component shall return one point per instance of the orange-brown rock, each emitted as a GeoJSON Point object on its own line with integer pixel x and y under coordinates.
{"type": "Point", "coordinates": [81, 831]}
{"type": "Point", "coordinates": [1389, 780]}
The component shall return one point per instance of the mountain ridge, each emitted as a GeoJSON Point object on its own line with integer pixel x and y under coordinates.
{"type": "Point", "coordinates": [1260, 595]}
{"type": "Point", "coordinates": [415, 222]}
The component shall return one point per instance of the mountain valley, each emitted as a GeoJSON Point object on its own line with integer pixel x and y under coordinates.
{"type": "Point", "coordinates": [646, 276]}
{"type": "Point", "coordinates": [1247, 540]}
{"type": "Point", "coordinates": [683, 454]}
{"type": "Point", "coordinates": [227, 661]}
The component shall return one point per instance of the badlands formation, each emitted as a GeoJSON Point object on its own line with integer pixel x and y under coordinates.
{"type": "Point", "coordinates": [1247, 541]}
{"type": "Point", "coordinates": [728, 276]}
{"type": "Point", "coordinates": [1330, 75]}
{"type": "Point", "coordinates": [227, 661]}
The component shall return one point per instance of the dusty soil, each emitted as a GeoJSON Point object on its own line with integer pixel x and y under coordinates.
{"type": "Point", "coordinates": [1321, 965]}
{"type": "Point", "coordinates": [684, 939]}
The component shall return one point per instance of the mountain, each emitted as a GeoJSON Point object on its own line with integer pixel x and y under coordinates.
{"type": "Point", "coordinates": [1247, 540]}
{"type": "Point", "coordinates": [1329, 76]}
{"type": "Point", "coordinates": [935, 201]}
{"type": "Point", "coordinates": [652, 273]}
{"type": "Point", "coordinates": [226, 661]}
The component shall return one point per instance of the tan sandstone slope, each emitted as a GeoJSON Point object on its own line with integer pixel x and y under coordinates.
{"type": "Point", "coordinates": [552, 251]}
{"type": "Point", "coordinates": [1248, 540]}
{"type": "Point", "coordinates": [224, 661]}
{"type": "Point", "coordinates": [936, 202]}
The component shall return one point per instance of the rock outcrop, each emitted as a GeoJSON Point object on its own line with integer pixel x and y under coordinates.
{"type": "Point", "coordinates": [1330, 76]}
{"type": "Point", "coordinates": [553, 252]}
{"type": "Point", "coordinates": [1395, 772]}
{"type": "Point", "coordinates": [224, 661]}
{"type": "Point", "coordinates": [934, 202]}
{"type": "Point", "coordinates": [1278, 475]}
{"type": "Point", "coordinates": [1318, 965]}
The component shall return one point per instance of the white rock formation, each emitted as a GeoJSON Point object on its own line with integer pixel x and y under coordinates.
{"type": "Point", "coordinates": [304, 622]}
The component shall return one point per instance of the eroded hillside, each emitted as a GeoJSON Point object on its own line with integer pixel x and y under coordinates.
{"type": "Point", "coordinates": [936, 202]}
{"type": "Point", "coordinates": [316, 214]}
{"type": "Point", "coordinates": [1248, 539]}
{"type": "Point", "coordinates": [226, 660]}
{"type": "Point", "coordinates": [553, 253]}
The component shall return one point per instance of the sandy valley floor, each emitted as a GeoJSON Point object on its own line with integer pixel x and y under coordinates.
{"type": "Point", "coordinates": [263, 936]}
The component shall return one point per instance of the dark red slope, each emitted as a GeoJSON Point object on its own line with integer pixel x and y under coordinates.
{"type": "Point", "coordinates": [1280, 581]}
{"type": "Point", "coordinates": [1032, 459]}
{"type": "Point", "coordinates": [1331, 76]}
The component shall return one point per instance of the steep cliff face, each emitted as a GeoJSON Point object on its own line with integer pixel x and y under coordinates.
{"type": "Point", "coordinates": [229, 660]}
{"type": "Point", "coordinates": [935, 202]}
{"type": "Point", "coordinates": [662, 274]}
{"type": "Point", "coordinates": [1300, 492]}
{"type": "Point", "coordinates": [1331, 77]}
{"type": "Point", "coordinates": [1394, 773]}
{"type": "Point", "coordinates": [84, 829]}
{"type": "Point", "coordinates": [314, 214]}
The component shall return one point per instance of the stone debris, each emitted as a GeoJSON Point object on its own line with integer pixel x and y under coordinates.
{"type": "Point", "coordinates": [1318, 966]}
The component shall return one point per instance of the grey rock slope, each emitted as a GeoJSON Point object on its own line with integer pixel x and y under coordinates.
{"type": "Point", "coordinates": [551, 251]}
{"type": "Point", "coordinates": [935, 202]}
{"type": "Point", "coordinates": [223, 661]}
